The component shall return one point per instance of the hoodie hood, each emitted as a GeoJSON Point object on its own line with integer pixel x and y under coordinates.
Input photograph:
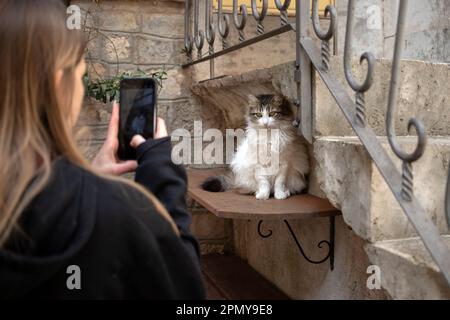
{"type": "Point", "coordinates": [52, 230]}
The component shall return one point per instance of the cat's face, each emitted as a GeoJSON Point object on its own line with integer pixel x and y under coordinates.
{"type": "Point", "coordinates": [268, 111]}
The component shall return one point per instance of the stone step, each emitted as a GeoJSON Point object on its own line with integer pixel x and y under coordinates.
{"type": "Point", "coordinates": [227, 277]}
{"type": "Point", "coordinates": [424, 97]}
{"type": "Point", "coordinates": [407, 270]}
{"type": "Point", "coordinates": [345, 174]}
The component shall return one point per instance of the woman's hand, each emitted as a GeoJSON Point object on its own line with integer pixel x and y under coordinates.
{"type": "Point", "coordinates": [161, 132]}
{"type": "Point", "coordinates": [106, 160]}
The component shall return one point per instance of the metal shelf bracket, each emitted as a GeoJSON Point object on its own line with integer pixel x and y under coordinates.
{"type": "Point", "coordinates": [329, 243]}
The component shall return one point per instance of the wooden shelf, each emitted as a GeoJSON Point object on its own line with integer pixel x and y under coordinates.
{"type": "Point", "coordinates": [233, 205]}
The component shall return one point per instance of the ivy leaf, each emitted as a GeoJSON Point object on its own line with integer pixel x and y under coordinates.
{"type": "Point", "coordinates": [107, 90]}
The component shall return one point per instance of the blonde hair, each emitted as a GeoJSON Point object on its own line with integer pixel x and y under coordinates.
{"type": "Point", "coordinates": [34, 44]}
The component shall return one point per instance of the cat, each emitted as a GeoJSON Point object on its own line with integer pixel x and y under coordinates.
{"type": "Point", "coordinates": [285, 172]}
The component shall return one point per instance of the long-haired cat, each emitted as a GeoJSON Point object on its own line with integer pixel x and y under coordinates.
{"type": "Point", "coordinates": [280, 172]}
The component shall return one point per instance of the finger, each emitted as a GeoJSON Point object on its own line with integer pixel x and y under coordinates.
{"type": "Point", "coordinates": [113, 129]}
{"type": "Point", "coordinates": [137, 141]}
{"type": "Point", "coordinates": [161, 129]}
{"type": "Point", "coordinates": [125, 167]}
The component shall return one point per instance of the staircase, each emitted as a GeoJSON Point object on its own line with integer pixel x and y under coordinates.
{"type": "Point", "coordinates": [355, 114]}
{"type": "Point", "coordinates": [349, 179]}
{"type": "Point", "coordinates": [344, 173]}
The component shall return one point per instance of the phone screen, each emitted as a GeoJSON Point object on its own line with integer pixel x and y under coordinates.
{"type": "Point", "coordinates": [137, 113]}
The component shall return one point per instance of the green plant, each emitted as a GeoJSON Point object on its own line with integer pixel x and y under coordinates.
{"type": "Point", "coordinates": [107, 90]}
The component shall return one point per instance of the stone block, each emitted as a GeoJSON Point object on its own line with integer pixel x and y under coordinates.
{"type": "Point", "coordinates": [119, 20]}
{"type": "Point", "coordinates": [424, 97]}
{"type": "Point", "coordinates": [154, 50]}
{"type": "Point", "coordinates": [97, 70]}
{"type": "Point", "coordinates": [351, 181]}
{"type": "Point", "coordinates": [117, 48]}
{"type": "Point", "coordinates": [163, 25]}
{"type": "Point", "coordinates": [407, 270]}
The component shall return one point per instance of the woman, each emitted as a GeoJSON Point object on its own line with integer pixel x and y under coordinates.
{"type": "Point", "coordinates": [69, 229]}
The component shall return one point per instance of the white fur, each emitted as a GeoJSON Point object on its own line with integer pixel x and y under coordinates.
{"type": "Point", "coordinates": [248, 167]}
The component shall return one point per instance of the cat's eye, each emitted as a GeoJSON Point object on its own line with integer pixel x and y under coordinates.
{"type": "Point", "coordinates": [257, 115]}
{"type": "Point", "coordinates": [273, 113]}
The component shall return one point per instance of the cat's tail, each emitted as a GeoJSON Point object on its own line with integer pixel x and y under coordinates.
{"type": "Point", "coordinates": [217, 183]}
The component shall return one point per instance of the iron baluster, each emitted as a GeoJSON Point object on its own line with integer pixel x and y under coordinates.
{"type": "Point", "coordinates": [224, 30]}
{"type": "Point", "coordinates": [259, 17]}
{"type": "Point", "coordinates": [360, 89]}
{"type": "Point", "coordinates": [240, 24]}
{"type": "Point", "coordinates": [303, 72]}
{"type": "Point", "coordinates": [198, 35]}
{"type": "Point", "coordinates": [283, 11]}
{"type": "Point", "coordinates": [447, 200]}
{"type": "Point", "coordinates": [245, 43]}
{"type": "Point", "coordinates": [210, 33]}
{"type": "Point", "coordinates": [188, 44]}
{"type": "Point", "coordinates": [324, 36]}
{"type": "Point", "coordinates": [209, 27]}
{"type": "Point", "coordinates": [407, 158]}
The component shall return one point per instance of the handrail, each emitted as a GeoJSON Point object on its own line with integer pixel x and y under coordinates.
{"type": "Point", "coordinates": [308, 56]}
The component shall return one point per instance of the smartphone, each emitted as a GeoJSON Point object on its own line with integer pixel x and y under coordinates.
{"type": "Point", "coordinates": [137, 113]}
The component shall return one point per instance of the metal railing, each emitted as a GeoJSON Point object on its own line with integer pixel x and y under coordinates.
{"type": "Point", "coordinates": [308, 56]}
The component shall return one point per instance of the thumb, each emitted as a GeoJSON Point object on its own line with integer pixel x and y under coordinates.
{"type": "Point", "coordinates": [125, 167]}
{"type": "Point", "coordinates": [137, 141]}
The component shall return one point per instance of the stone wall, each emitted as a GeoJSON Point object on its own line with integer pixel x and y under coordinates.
{"type": "Point", "coordinates": [427, 29]}
{"type": "Point", "coordinates": [278, 259]}
{"type": "Point", "coordinates": [148, 35]}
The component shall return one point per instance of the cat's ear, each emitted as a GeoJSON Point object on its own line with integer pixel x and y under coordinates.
{"type": "Point", "coordinates": [252, 100]}
{"type": "Point", "coordinates": [277, 100]}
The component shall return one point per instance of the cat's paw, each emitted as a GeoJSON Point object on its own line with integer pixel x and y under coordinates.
{"type": "Point", "coordinates": [281, 194]}
{"type": "Point", "coordinates": [262, 195]}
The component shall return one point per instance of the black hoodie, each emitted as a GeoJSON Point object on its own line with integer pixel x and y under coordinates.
{"type": "Point", "coordinates": [123, 247]}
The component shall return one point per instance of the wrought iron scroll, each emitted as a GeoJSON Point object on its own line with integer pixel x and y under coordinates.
{"type": "Point", "coordinates": [329, 243]}
{"type": "Point", "coordinates": [209, 27]}
{"type": "Point", "coordinates": [240, 24]}
{"type": "Point", "coordinates": [224, 29]}
{"type": "Point", "coordinates": [324, 36]}
{"type": "Point", "coordinates": [283, 11]}
{"type": "Point", "coordinates": [407, 158]}
{"type": "Point", "coordinates": [198, 34]}
{"type": "Point", "coordinates": [259, 17]}
{"type": "Point", "coordinates": [261, 234]}
{"type": "Point", "coordinates": [360, 89]}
